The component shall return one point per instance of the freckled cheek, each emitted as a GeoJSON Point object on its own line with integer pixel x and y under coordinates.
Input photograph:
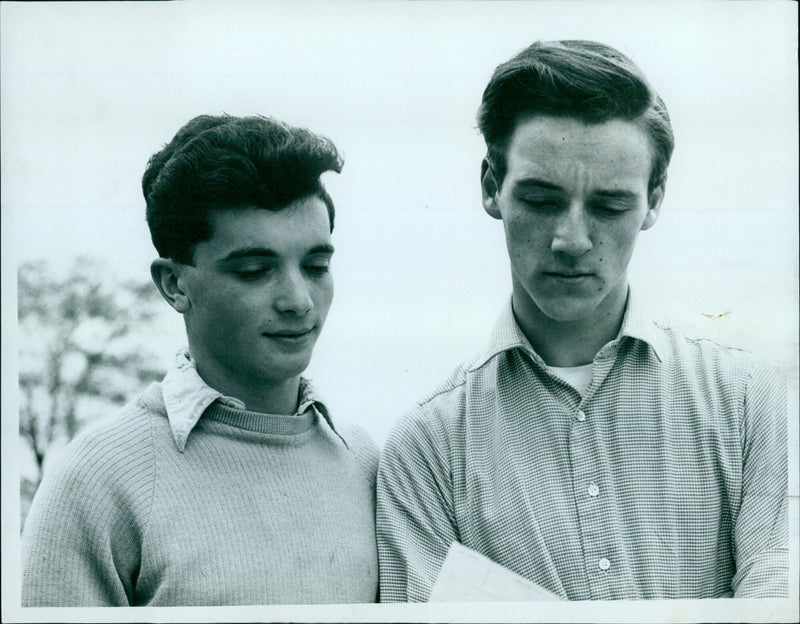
{"type": "Point", "coordinates": [623, 244]}
{"type": "Point", "coordinates": [525, 245]}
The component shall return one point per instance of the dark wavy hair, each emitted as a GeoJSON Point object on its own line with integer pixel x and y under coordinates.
{"type": "Point", "coordinates": [223, 163]}
{"type": "Point", "coordinates": [583, 79]}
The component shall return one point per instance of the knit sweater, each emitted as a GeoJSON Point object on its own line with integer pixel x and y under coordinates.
{"type": "Point", "coordinates": [256, 509]}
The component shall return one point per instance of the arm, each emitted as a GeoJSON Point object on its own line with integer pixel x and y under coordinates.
{"type": "Point", "coordinates": [761, 529]}
{"type": "Point", "coordinates": [415, 518]}
{"type": "Point", "coordinates": [81, 542]}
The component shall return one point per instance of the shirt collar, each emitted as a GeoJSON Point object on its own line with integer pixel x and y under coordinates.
{"type": "Point", "coordinates": [187, 396]}
{"type": "Point", "coordinates": [507, 334]}
{"type": "Point", "coordinates": [639, 323]}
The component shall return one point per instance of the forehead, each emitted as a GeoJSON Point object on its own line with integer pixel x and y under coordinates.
{"type": "Point", "coordinates": [565, 151]}
{"type": "Point", "coordinates": [300, 226]}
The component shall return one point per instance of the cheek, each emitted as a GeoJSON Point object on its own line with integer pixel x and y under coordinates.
{"type": "Point", "coordinates": [223, 324]}
{"type": "Point", "coordinates": [524, 237]}
{"type": "Point", "coordinates": [231, 311]}
{"type": "Point", "coordinates": [618, 246]}
{"type": "Point", "coordinates": [323, 293]}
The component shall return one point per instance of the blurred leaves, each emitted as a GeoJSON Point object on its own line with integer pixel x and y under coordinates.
{"type": "Point", "coordinates": [81, 350]}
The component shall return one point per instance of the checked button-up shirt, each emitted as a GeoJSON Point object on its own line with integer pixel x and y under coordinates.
{"type": "Point", "coordinates": [667, 478]}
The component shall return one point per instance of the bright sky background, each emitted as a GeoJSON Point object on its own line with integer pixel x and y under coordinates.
{"type": "Point", "coordinates": [91, 90]}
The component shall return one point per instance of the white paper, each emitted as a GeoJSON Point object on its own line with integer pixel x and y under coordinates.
{"type": "Point", "coordinates": [468, 576]}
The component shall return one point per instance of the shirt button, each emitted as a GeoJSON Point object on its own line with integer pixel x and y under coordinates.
{"type": "Point", "coordinates": [593, 490]}
{"type": "Point", "coordinates": [604, 564]}
{"type": "Point", "coordinates": [580, 416]}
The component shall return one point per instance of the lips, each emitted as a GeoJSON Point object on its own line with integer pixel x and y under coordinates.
{"type": "Point", "coordinates": [289, 333]}
{"type": "Point", "coordinates": [568, 274]}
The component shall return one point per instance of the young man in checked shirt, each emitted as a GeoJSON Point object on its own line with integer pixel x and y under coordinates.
{"type": "Point", "coordinates": [595, 452]}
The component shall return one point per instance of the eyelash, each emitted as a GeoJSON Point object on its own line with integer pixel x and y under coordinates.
{"type": "Point", "coordinates": [549, 205]}
{"type": "Point", "coordinates": [543, 205]}
{"type": "Point", "coordinates": [607, 210]}
{"type": "Point", "coordinates": [318, 271]}
{"type": "Point", "coordinates": [252, 275]}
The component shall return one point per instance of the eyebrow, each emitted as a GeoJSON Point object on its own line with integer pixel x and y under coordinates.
{"type": "Point", "coordinates": [618, 194]}
{"type": "Point", "coordinates": [533, 183]}
{"type": "Point", "coordinates": [264, 252]}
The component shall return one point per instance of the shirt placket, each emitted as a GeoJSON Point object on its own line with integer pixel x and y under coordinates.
{"type": "Point", "coordinates": [590, 490]}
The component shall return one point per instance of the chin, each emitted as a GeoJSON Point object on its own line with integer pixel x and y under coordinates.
{"type": "Point", "coordinates": [565, 311]}
{"type": "Point", "coordinates": [288, 370]}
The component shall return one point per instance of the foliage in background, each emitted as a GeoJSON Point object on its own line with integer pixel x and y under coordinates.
{"type": "Point", "coordinates": [82, 354]}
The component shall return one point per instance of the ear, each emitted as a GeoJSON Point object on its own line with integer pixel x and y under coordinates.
{"type": "Point", "coordinates": [489, 190]}
{"type": "Point", "coordinates": [166, 274]}
{"type": "Point", "coordinates": [654, 206]}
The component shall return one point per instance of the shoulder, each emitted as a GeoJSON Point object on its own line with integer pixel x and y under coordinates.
{"type": "Point", "coordinates": [101, 482]}
{"type": "Point", "coordinates": [116, 451]}
{"type": "Point", "coordinates": [689, 348]}
{"type": "Point", "coordinates": [122, 431]}
{"type": "Point", "coordinates": [437, 417]}
{"type": "Point", "coordinates": [731, 373]}
{"type": "Point", "coordinates": [447, 399]}
{"type": "Point", "coordinates": [361, 445]}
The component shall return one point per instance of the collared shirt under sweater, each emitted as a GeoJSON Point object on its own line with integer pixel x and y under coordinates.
{"type": "Point", "coordinates": [187, 498]}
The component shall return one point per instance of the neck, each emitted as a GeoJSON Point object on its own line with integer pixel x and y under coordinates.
{"type": "Point", "coordinates": [278, 398]}
{"type": "Point", "coordinates": [265, 396]}
{"type": "Point", "coordinates": [570, 343]}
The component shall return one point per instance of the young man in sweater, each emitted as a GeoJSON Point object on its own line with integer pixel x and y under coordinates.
{"type": "Point", "coordinates": [589, 449]}
{"type": "Point", "coordinates": [228, 482]}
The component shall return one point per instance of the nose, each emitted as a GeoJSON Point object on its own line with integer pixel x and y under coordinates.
{"type": "Point", "coordinates": [572, 234]}
{"type": "Point", "coordinates": [293, 295]}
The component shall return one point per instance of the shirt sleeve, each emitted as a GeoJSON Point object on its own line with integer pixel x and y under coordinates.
{"type": "Point", "coordinates": [761, 529]}
{"type": "Point", "coordinates": [81, 543]}
{"type": "Point", "coordinates": [415, 518]}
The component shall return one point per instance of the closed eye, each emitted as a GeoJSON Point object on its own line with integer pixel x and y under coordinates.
{"type": "Point", "coordinates": [319, 263]}
{"type": "Point", "coordinates": [544, 205]}
{"type": "Point", "coordinates": [317, 270]}
{"type": "Point", "coordinates": [253, 271]}
{"type": "Point", "coordinates": [252, 275]}
{"type": "Point", "coordinates": [612, 210]}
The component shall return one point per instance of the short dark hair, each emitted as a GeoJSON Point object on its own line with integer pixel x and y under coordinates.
{"type": "Point", "coordinates": [225, 162]}
{"type": "Point", "coordinates": [587, 80]}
